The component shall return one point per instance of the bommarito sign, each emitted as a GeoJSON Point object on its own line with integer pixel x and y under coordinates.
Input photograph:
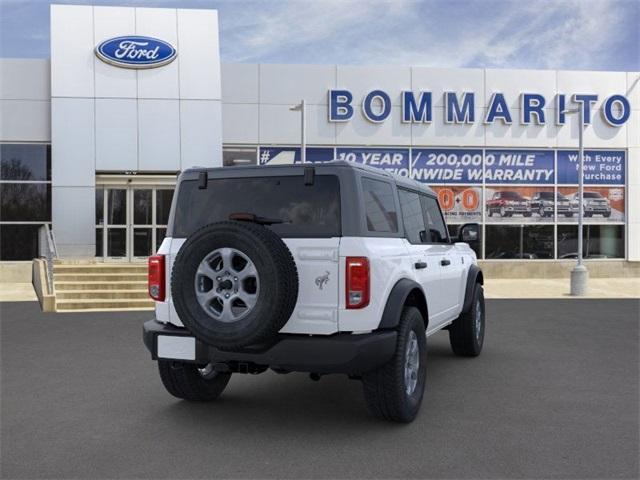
{"type": "Point", "coordinates": [460, 108]}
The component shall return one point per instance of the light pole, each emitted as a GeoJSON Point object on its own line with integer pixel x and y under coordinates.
{"type": "Point", "coordinates": [580, 274]}
{"type": "Point", "coordinates": [303, 129]}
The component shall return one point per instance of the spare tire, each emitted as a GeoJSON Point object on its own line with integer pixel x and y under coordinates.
{"type": "Point", "coordinates": [234, 284]}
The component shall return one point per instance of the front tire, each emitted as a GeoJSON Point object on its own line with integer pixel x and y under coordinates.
{"type": "Point", "coordinates": [394, 391]}
{"type": "Point", "coordinates": [187, 381]}
{"type": "Point", "coordinates": [466, 333]}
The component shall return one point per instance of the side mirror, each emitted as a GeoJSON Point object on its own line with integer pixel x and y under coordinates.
{"type": "Point", "coordinates": [469, 233]}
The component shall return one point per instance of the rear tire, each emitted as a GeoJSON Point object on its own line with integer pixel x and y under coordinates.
{"type": "Point", "coordinates": [388, 390]}
{"type": "Point", "coordinates": [186, 381]}
{"type": "Point", "coordinates": [466, 333]}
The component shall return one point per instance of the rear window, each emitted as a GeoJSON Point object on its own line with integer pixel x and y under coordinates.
{"type": "Point", "coordinates": [306, 210]}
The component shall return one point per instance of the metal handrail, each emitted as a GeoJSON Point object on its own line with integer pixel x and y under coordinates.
{"type": "Point", "coordinates": [47, 249]}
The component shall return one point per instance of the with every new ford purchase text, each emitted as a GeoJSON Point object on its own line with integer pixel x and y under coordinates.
{"type": "Point", "coordinates": [327, 268]}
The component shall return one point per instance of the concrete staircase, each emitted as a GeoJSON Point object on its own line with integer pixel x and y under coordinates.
{"type": "Point", "coordinates": [97, 287]}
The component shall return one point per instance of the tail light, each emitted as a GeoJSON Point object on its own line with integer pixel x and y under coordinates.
{"type": "Point", "coordinates": [156, 277]}
{"type": "Point", "coordinates": [357, 284]}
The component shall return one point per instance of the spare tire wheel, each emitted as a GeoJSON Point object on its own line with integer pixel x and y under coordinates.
{"type": "Point", "coordinates": [234, 284]}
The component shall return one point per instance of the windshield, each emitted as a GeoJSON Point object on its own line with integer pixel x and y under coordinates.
{"type": "Point", "coordinates": [560, 196]}
{"type": "Point", "coordinates": [304, 210]}
{"type": "Point", "coordinates": [546, 195]}
{"type": "Point", "coordinates": [511, 196]}
{"type": "Point", "coordinates": [592, 195]}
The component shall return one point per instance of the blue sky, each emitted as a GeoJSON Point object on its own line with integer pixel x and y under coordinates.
{"type": "Point", "coordinates": [546, 34]}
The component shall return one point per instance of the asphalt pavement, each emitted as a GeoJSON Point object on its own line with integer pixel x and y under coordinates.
{"type": "Point", "coordinates": [555, 394]}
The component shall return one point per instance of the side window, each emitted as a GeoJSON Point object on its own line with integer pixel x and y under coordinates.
{"type": "Point", "coordinates": [379, 205]}
{"type": "Point", "coordinates": [412, 216]}
{"type": "Point", "coordinates": [437, 228]}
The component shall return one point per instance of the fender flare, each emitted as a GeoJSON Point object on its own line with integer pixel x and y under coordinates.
{"type": "Point", "coordinates": [404, 292]}
{"type": "Point", "coordinates": [474, 276]}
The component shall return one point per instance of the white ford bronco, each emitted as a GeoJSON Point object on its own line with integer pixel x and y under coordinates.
{"type": "Point", "coordinates": [323, 268]}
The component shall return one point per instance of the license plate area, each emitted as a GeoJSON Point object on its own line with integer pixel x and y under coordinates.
{"type": "Point", "coordinates": [176, 348]}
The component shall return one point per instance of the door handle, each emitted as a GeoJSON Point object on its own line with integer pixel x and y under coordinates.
{"type": "Point", "coordinates": [420, 265]}
{"type": "Point", "coordinates": [444, 262]}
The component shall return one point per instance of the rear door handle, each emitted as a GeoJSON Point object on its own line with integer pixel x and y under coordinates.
{"type": "Point", "coordinates": [444, 262]}
{"type": "Point", "coordinates": [420, 265]}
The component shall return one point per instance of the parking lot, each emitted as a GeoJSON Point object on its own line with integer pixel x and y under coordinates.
{"type": "Point", "coordinates": [554, 395]}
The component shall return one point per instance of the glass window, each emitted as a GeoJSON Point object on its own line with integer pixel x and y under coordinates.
{"type": "Point", "coordinates": [437, 228]}
{"type": "Point", "coordinates": [235, 156]}
{"type": "Point", "coordinates": [163, 205]}
{"type": "Point", "coordinates": [18, 242]}
{"type": "Point", "coordinates": [117, 207]}
{"type": "Point", "coordinates": [412, 216]}
{"type": "Point", "coordinates": [380, 208]}
{"type": "Point", "coordinates": [598, 241]}
{"type": "Point", "coordinates": [304, 210]}
{"type": "Point", "coordinates": [25, 202]}
{"type": "Point", "coordinates": [519, 241]}
{"type": "Point", "coordinates": [99, 206]}
{"type": "Point", "coordinates": [142, 207]}
{"type": "Point", "coordinates": [99, 242]}
{"type": "Point", "coordinates": [160, 234]}
{"type": "Point", "coordinates": [25, 162]}
{"type": "Point", "coordinates": [142, 242]}
{"type": "Point", "coordinates": [116, 242]}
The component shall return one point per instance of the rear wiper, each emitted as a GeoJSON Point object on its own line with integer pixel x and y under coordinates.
{"type": "Point", "coordinates": [252, 217]}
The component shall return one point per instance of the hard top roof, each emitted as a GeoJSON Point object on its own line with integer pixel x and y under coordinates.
{"type": "Point", "coordinates": [401, 181]}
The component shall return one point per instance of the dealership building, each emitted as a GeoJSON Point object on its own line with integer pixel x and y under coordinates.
{"type": "Point", "coordinates": [91, 146]}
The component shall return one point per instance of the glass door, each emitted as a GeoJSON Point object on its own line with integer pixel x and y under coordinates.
{"type": "Point", "coordinates": [115, 225]}
{"type": "Point", "coordinates": [131, 221]}
{"type": "Point", "coordinates": [141, 227]}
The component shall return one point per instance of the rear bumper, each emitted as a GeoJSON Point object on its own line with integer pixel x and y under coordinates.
{"type": "Point", "coordinates": [340, 353]}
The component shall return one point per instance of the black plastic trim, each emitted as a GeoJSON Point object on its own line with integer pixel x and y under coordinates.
{"type": "Point", "coordinates": [396, 302]}
{"type": "Point", "coordinates": [474, 276]}
{"type": "Point", "coordinates": [340, 353]}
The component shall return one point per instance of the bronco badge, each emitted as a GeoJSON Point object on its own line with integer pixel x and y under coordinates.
{"type": "Point", "coordinates": [322, 280]}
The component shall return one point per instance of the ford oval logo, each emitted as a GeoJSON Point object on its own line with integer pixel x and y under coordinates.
{"type": "Point", "coordinates": [134, 51]}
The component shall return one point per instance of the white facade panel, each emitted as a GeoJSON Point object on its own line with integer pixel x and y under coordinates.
{"type": "Point", "coordinates": [633, 170]}
{"type": "Point", "coordinates": [512, 83]}
{"type": "Point", "coordinates": [518, 135]}
{"type": "Point", "coordinates": [25, 121]}
{"type": "Point", "coordinates": [633, 129]}
{"type": "Point", "coordinates": [278, 124]}
{"type": "Point", "coordinates": [199, 54]}
{"type": "Point", "coordinates": [201, 137]}
{"type": "Point", "coordinates": [440, 133]}
{"type": "Point", "coordinates": [597, 135]}
{"type": "Point", "coordinates": [603, 84]}
{"type": "Point", "coordinates": [240, 83]}
{"type": "Point", "coordinates": [288, 84]}
{"type": "Point", "coordinates": [73, 208]}
{"type": "Point", "coordinates": [110, 81]}
{"type": "Point", "coordinates": [72, 54]}
{"type": "Point", "coordinates": [240, 123]}
{"type": "Point", "coordinates": [159, 82]}
{"type": "Point", "coordinates": [24, 79]}
{"type": "Point", "coordinates": [159, 135]}
{"type": "Point", "coordinates": [116, 134]}
{"type": "Point", "coordinates": [633, 89]}
{"type": "Point", "coordinates": [73, 140]}
{"type": "Point", "coordinates": [361, 80]}
{"type": "Point", "coordinates": [441, 80]}
{"type": "Point", "coordinates": [359, 131]}
{"type": "Point", "coordinates": [319, 130]}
